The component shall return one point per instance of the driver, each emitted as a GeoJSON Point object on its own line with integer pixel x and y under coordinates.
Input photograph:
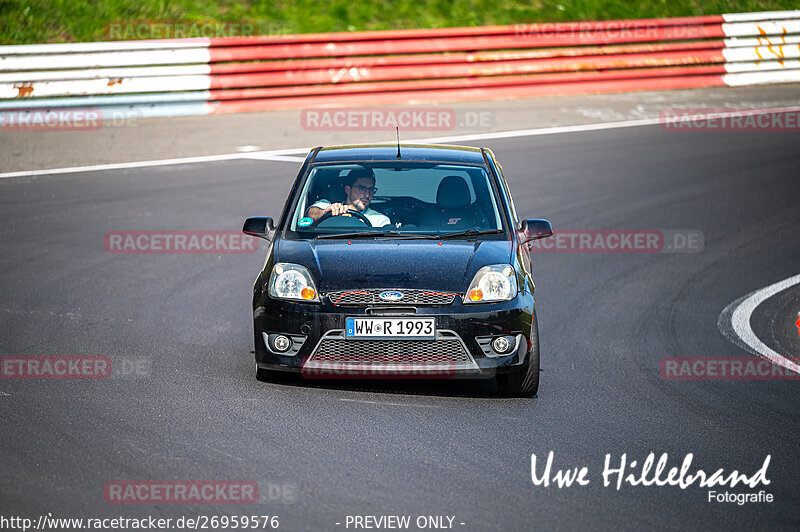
{"type": "Point", "coordinates": [360, 189]}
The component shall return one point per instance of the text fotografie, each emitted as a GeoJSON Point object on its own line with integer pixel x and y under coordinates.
{"type": "Point", "coordinates": [646, 475]}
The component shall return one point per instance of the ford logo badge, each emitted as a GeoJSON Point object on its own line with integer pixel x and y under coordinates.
{"type": "Point", "coordinates": [391, 295]}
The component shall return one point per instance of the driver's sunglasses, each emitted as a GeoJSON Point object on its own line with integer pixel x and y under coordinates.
{"type": "Point", "coordinates": [370, 190]}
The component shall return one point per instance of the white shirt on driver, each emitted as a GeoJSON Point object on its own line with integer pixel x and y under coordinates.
{"type": "Point", "coordinates": [375, 218]}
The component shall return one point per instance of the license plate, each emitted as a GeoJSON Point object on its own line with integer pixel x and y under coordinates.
{"type": "Point", "coordinates": [391, 328]}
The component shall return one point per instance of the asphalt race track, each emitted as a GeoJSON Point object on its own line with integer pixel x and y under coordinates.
{"type": "Point", "coordinates": [192, 410]}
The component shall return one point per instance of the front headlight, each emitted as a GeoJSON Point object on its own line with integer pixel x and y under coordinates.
{"type": "Point", "coordinates": [492, 283]}
{"type": "Point", "coordinates": [292, 281]}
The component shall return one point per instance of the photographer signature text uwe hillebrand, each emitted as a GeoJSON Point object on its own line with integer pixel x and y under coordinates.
{"type": "Point", "coordinates": [647, 473]}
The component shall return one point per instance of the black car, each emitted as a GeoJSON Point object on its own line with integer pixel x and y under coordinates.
{"type": "Point", "coordinates": [393, 261]}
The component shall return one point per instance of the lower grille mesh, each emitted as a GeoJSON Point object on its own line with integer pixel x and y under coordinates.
{"type": "Point", "coordinates": [379, 352]}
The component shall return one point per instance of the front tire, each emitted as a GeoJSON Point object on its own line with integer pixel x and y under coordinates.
{"type": "Point", "coordinates": [523, 382]}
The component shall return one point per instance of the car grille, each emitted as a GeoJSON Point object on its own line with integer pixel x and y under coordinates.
{"type": "Point", "coordinates": [446, 354]}
{"type": "Point", "coordinates": [372, 297]}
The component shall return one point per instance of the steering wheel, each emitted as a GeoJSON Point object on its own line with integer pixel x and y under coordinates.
{"type": "Point", "coordinates": [355, 214]}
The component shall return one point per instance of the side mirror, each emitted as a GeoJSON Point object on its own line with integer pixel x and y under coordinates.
{"type": "Point", "coordinates": [534, 229]}
{"type": "Point", "coordinates": [260, 226]}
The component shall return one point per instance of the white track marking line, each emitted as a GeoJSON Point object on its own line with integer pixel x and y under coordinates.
{"type": "Point", "coordinates": [143, 164]}
{"type": "Point", "coordinates": [540, 131]}
{"type": "Point", "coordinates": [712, 113]}
{"type": "Point", "coordinates": [734, 322]}
{"type": "Point", "coordinates": [280, 158]}
{"type": "Point", "coordinates": [271, 154]}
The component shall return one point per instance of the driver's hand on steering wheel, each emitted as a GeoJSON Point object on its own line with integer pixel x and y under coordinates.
{"type": "Point", "coordinates": [337, 209]}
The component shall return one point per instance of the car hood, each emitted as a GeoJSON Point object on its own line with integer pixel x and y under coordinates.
{"type": "Point", "coordinates": [367, 263]}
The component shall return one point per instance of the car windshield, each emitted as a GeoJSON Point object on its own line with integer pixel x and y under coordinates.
{"type": "Point", "coordinates": [396, 199]}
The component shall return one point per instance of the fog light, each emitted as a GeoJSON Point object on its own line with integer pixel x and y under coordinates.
{"type": "Point", "coordinates": [281, 343]}
{"type": "Point", "coordinates": [502, 345]}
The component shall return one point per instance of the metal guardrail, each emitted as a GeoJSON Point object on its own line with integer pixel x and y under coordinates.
{"type": "Point", "coordinates": [222, 75]}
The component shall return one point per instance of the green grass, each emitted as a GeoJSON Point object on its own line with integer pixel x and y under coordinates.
{"type": "Point", "coordinates": [40, 21]}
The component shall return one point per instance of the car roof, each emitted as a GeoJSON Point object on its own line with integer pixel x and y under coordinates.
{"type": "Point", "coordinates": [408, 152]}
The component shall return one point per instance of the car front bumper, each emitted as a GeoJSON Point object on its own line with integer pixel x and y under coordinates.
{"type": "Point", "coordinates": [462, 346]}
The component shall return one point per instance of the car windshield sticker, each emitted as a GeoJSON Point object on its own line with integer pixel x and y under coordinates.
{"type": "Point", "coordinates": [305, 222]}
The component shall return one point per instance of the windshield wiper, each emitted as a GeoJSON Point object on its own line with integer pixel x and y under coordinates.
{"type": "Point", "coordinates": [388, 233]}
{"type": "Point", "coordinates": [468, 233]}
{"type": "Point", "coordinates": [357, 234]}
{"type": "Point", "coordinates": [410, 236]}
